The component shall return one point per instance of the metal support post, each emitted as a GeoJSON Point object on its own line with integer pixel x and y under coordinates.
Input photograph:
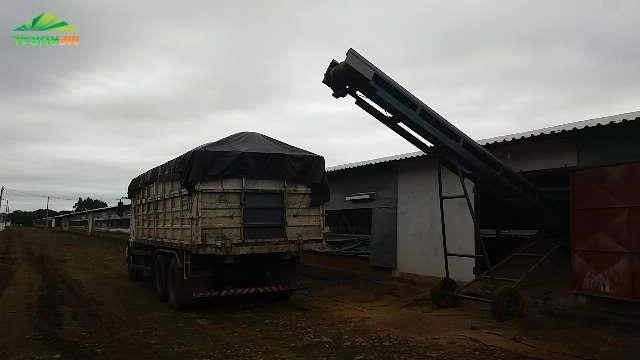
{"type": "Point", "coordinates": [442, 221]}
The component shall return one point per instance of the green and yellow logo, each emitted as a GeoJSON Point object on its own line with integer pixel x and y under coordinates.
{"type": "Point", "coordinates": [50, 24]}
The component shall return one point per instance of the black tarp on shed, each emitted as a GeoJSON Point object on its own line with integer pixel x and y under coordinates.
{"type": "Point", "coordinates": [245, 154]}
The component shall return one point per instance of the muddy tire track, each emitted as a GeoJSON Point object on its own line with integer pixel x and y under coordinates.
{"type": "Point", "coordinates": [59, 296]}
{"type": "Point", "coordinates": [7, 262]}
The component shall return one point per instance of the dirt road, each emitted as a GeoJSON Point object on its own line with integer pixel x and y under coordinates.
{"type": "Point", "coordinates": [67, 296]}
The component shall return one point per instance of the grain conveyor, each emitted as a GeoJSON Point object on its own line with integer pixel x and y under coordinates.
{"type": "Point", "coordinates": [394, 106]}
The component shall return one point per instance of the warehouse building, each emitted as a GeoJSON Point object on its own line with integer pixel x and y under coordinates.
{"type": "Point", "coordinates": [393, 203]}
{"type": "Point", "coordinates": [104, 221]}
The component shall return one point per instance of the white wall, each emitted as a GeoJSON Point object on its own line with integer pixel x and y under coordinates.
{"type": "Point", "coordinates": [418, 231]}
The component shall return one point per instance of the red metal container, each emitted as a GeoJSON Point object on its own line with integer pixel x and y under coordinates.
{"type": "Point", "coordinates": [605, 231]}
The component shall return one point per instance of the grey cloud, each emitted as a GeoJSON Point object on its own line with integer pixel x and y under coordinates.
{"type": "Point", "coordinates": [151, 80]}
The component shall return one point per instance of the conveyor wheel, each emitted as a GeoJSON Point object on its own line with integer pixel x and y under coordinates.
{"type": "Point", "coordinates": [507, 303]}
{"type": "Point", "coordinates": [442, 293]}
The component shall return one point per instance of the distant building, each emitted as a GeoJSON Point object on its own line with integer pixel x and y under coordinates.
{"type": "Point", "coordinates": [109, 220]}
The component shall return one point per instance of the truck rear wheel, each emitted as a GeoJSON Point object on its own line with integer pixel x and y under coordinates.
{"type": "Point", "coordinates": [134, 274]}
{"type": "Point", "coordinates": [160, 277]}
{"type": "Point", "coordinates": [177, 286]}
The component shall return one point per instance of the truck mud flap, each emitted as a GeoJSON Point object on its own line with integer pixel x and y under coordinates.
{"type": "Point", "coordinates": [204, 293]}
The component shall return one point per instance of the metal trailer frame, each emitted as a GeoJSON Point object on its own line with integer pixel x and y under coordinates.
{"type": "Point", "coordinates": [387, 101]}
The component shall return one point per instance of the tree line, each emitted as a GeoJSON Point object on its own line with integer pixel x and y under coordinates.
{"type": "Point", "coordinates": [26, 218]}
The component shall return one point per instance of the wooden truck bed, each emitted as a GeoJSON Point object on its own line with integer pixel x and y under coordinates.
{"type": "Point", "coordinates": [227, 217]}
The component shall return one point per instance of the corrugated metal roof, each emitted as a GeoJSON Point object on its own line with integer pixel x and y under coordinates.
{"type": "Point", "coordinates": [578, 125]}
{"type": "Point", "coordinates": [375, 161]}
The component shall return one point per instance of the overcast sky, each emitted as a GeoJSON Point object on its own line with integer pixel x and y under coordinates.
{"type": "Point", "coordinates": [153, 79]}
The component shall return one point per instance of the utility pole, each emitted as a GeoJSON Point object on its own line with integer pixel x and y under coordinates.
{"type": "Point", "coordinates": [46, 222]}
{"type": "Point", "coordinates": [2, 193]}
{"type": "Point", "coordinates": [7, 212]}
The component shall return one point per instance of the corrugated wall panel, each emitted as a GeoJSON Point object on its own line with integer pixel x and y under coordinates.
{"type": "Point", "coordinates": [381, 180]}
{"type": "Point", "coordinates": [605, 232]}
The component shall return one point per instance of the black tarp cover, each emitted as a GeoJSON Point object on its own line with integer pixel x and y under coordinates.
{"type": "Point", "coordinates": [245, 154]}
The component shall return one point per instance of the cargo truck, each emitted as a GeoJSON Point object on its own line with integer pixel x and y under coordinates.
{"type": "Point", "coordinates": [231, 217]}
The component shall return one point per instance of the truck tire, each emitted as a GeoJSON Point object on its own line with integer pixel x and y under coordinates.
{"type": "Point", "coordinates": [177, 286]}
{"type": "Point", "coordinates": [160, 277]}
{"type": "Point", "coordinates": [134, 274]}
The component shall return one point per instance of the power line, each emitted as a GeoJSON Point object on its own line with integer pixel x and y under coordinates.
{"type": "Point", "coordinates": [33, 194]}
{"type": "Point", "coordinates": [38, 195]}
{"type": "Point", "coordinates": [13, 193]}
